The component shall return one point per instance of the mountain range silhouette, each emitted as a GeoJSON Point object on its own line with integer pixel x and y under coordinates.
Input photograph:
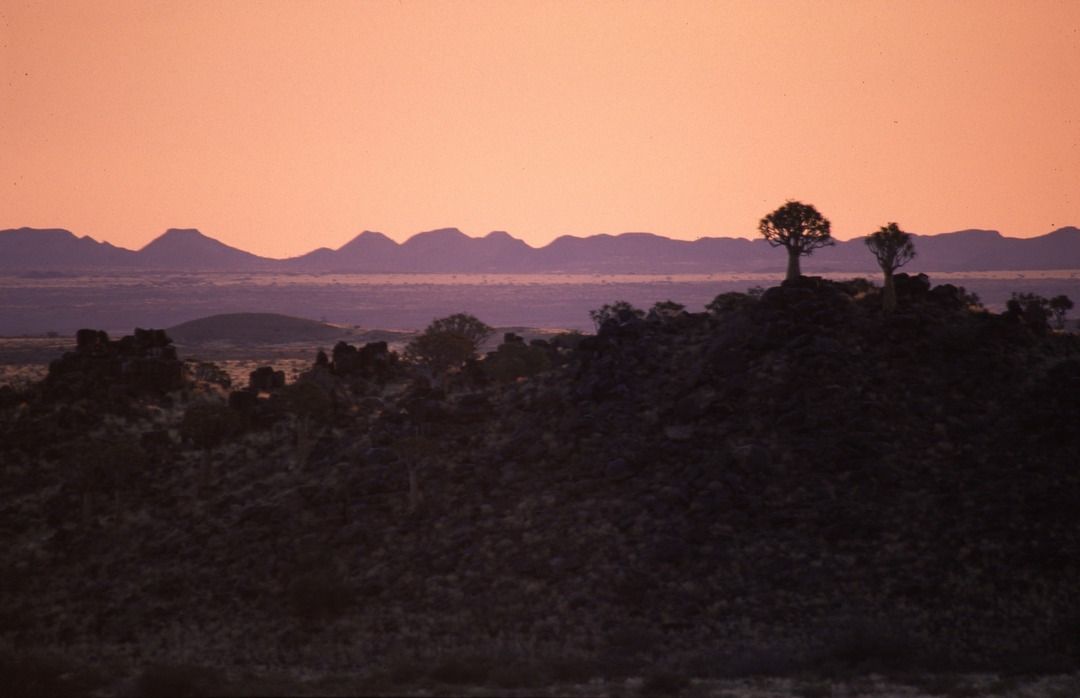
{"type": "Point", "coordinates": [448, 250]}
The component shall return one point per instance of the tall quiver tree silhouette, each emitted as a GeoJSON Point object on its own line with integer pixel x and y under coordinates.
{"type": "Point", "coordinates": [800, 229]}
{"type": "Point", "coordinates": [893, 248]}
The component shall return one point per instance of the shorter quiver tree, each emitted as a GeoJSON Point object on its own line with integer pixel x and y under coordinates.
{"type": "Point", "coordinates": [893, 248]}
{"type": "Point", "coordinates": [1059, 307]}
{"type": "Point", "coordinates": [800, 229]}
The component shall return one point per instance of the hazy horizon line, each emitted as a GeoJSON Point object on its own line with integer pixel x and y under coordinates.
{"type": "Point", "coordinates": [409, 237]}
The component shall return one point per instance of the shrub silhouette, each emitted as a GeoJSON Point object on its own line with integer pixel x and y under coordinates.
{"type": "Point", "coordinates": [207, 425]}
{"type": "Point", "coordinates": [665, 310]}
{"type": "Point", "coordinates": [893, 248]}
{"type": "Point", "coordinates": [107, 466]}
{"type": "Point", "coordinates": [800, 229]}
{"type": "Point", "coordinates": [730, 301]}
{"type": "Point", "coordinates": [1059, 307]}
{"type": "Point", "coordinates": [447, 343]}
{"type": "Point", "coordinates": [1030, 309]}
{"type": "Point", "coordinates": [178, 680]}
{"type": "Point", "coordinates": [515, 359]}
{"type": "Point", "coordinates": [312, 407]}
{"type": "Point", "coordinates": [620, 311]}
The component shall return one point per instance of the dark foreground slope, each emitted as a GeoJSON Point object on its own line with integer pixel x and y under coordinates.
{"type": "Point", "coordinates": [792, 483]}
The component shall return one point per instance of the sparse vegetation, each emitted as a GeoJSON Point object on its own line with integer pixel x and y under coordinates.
{"type": "Point", "coordinates": [676, 498]}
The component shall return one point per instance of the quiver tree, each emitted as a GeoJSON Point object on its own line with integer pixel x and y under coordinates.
{"type": "Point", "coordinates": [311, 407]}
{"type": "Point", "coordinates": [1031, 309]}
{"type": "Point", "coordinates": [800, 229]}
{"type": "Point", "coordinates": [1059, 307]}
{"type": "Point", "coordinates": [416, 451]}
{"type": "Point", "coordinates": [447, 343]}
{"type": "Point", "coordinates": [207, 425]}
{"type": "Point", "coordinates": [893, 248]}
{"type": "Point", "coordinates": [106, 466]}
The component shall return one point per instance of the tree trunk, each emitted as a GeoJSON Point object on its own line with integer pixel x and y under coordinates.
{"type": "Point", "coordinates": [793, 272]}
{"type": "Point", "coordinates": [206, 471]}
{"type": "Point", "coordinates": [888, 297]}
{"type": "Point", "coordinates": [87, 508]}
{"type": "Point", "coordinates": [305, 440]}
{"type": "Point", "coordinates": [415, 497]}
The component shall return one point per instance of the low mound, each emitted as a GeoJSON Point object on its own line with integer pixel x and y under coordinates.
{"type": "Point", "coordinates": [253, 328]}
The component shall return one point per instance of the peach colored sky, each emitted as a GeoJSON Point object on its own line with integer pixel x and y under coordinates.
{"type": "Point", "coordinates": [282, 126]}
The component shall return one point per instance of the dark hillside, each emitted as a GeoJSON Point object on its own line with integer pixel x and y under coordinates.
{"type": "Point", "coordinates": [796, 482]}
{"type": "Point", "coordinates": [253, 328]}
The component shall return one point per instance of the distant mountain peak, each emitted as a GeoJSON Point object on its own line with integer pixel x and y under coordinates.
{"type": "Point", "coordinates": [439, 233]}
{"type": "Point", "coordinates": [180, 236]}
{"type": "Point", "coordinates": [970, 233]}
{"type": "Point", "coordinates": [450, 250]}
{"type": "Point", "coordinates": [54, 232]}
{"type": "Point", "coordinates": [367, 240]}
{"type": "Point", "coordinates": [189, 248]}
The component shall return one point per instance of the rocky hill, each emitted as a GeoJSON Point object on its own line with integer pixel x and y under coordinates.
{"type": "Point", "coordinates": [253, 328]}
{"type": "Point", "coordinates": [793, 482]}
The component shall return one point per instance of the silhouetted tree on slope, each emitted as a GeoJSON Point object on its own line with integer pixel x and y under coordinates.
{"type": "Point", "coordinates": [1059, 306]}
{"type": "Point", "coordinates": [1031, 309]}
{"type": "Point", "coordinates": [799, 228]}
{"type": "Point", "coordinates": [448, 342]}
{"type": "Point", "coordinates": [893, 248]}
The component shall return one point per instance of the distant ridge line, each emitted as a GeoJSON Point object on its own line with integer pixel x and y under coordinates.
{"type": "Point", "coordinates": [448, 250]}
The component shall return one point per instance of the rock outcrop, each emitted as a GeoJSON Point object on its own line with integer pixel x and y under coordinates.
{"type": "Point", "coordinates": [142, 363]}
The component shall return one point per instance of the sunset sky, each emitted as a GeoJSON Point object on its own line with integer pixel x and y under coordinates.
{"type": "Point", "coordinates": [279, 127]}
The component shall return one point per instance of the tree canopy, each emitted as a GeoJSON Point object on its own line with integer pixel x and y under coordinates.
{"type": "Point", "coordinates": [893, 248]}
{"type": "Point", "coordinates": [799, 228]}
{"type": "Point", "coordinates": [622, 311]}
{"type": "Point", "coordinates": [448, 342]}
{"type": "Point", "coordinates": [1059, 307]}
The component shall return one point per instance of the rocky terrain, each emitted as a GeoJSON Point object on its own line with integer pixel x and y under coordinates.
{"type": "Point", "coordinates": [793, 484]}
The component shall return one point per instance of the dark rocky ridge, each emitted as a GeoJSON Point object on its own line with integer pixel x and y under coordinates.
{"type": "Point", "coordinates": [794, 481]}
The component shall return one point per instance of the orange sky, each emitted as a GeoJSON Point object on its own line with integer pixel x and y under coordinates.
{"type": "Point", "coordinates": [283, 126]}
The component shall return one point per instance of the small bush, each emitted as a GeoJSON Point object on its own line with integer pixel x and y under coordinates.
{"type": "Point", "coordinates": [619, 311]}
{"type": "Point", "coordinates": [460, 671]}
{"type": "Point", "coordinates": [863, 646]}
{"type": "Point", "coordinates": [320, 595]}
{"type": "Point", "coordinates": [27, 673]}
{"type": "Point", "coordinates": [665, 683]}
{"type": "Point", "coordinates": [517, 673]}
{"type": "Point", "coordinates": [515, 359]}
{"type": "Point", "coordinates": [172, 680]}
{"type": "Point", "coordinates": [730, 302]}
{"type": "Point", "coordinates": [571, 669]}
